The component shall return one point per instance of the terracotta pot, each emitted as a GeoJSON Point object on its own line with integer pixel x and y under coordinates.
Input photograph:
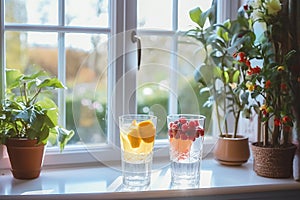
{"type": "Point", "coordinates": [232, 151]}
{"type": "Point", "coordinates": [273, 162]}
{"type": "Point", "coordinates": [26, 157]}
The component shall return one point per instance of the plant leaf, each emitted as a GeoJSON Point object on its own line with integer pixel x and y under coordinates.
{"type": "Point", "coordinates": [50, 82]}
{"type": "Point", "coordinates": [195, 15]}
{"type": "Point", "coordinates": [235, 76]}
{"type": "Point", "coordinates": [13, 77]}
{"type": "Point", "coordinates": [52, 111]}
{"type": "Point", "coordinates": [64, 136]}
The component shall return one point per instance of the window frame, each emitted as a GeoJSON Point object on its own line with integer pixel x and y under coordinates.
{"type": "Point", "coordinates": [123, 20]}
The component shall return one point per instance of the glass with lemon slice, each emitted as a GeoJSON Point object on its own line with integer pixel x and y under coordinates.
{"type": "Point", "coordinates": [137, 134]}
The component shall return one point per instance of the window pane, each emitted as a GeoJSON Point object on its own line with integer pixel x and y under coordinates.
{"type": "Point", "coordinates": [24, 50]}
{"type": "Point", "coordinates": [154, 14]}
{"type": "Point", "coordinates": [86, 61]}
{"type": "Point", "coordinates": [190, 56]}
{"type": "Point", "coordinates": [87, 13]}
{"type": "Point", "coordinates": [153, 79]}
{"type": "Point", "coordinates": [31, 11]}
{"type": "Point", "coordinates": [184, 22]}
{"type": "Point", "coordinates": [31, 52]}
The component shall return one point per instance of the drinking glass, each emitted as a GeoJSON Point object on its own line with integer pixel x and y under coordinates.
{"type": "Point", "coordinates": [137, 134]}
{"type": "Point", "coordinates": [186, 135]}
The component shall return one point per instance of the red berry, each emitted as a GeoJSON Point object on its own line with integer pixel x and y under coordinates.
{"type": "Point", "coordinates": [176, 135]}
{"type": "Point", "coordinates": [196, 122]}
{"type": "Point", "coordinates": [197, 134]}
{"type": "Point", "coordinates": [184, 127]}
{"type": "Point", "coordinates": [200, 131]}
{"type": "Point", "coordinates": [183, 136]}
{"type": "Point", "coordinates": [182, 120]}
{"type": "Point", "coordinates": [171, 124]}
{"type": "Point", "coordinates": [170, 132]}
{"type": "Point", "coordinates": [174, 127]}
{"type": "Point", "coordinates": [192, 124]}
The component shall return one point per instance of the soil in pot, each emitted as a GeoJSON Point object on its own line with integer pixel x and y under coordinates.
{"type": "Point", "coordinates": [232, 151]}
{"type": "Point", "coordinates": [26, 157]}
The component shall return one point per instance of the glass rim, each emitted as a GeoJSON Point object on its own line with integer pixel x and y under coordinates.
{"type": "Point", "coordinates": [140, 115]}
{"type": "Point", "coordinates": [194, 116]}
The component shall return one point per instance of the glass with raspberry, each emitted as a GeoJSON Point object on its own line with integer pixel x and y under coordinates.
{"type": "Point", "coordinates": [186, 135]}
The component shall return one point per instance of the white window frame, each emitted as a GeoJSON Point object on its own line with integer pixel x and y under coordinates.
{"type": "Point", "coordinates": [123, 57]}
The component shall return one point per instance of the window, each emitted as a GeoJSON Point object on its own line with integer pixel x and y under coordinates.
{"type": "Point", "coordinates": [87, 45]}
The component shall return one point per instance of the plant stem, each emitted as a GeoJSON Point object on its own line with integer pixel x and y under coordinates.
{"type": "Point", "coordinates": [35, 96]}
{"type": "Point", "coordinates": [259, 128]}
{"type": "Point", "coordinates": [218, 114]}
{"type": "Point", "coordinates": [236, 123]}
{"type": "Point", "coordinates": [225, 92]}
{"type": "Point", "coordinates": [266, 131]}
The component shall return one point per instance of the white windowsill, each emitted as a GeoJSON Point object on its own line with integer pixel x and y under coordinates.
{"type": "Point", "coordinates": [105, 182]}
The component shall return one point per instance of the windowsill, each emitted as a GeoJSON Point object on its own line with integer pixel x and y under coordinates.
{"type": "Point", "coordinates": [104, 182]}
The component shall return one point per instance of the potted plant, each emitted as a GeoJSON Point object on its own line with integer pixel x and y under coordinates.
{"type": "Point", "coordinates": [28, 120]}
{"type": "Point", "coordinates": [272, 88]}
{"type": "Point", "coordinates": [221, 74]}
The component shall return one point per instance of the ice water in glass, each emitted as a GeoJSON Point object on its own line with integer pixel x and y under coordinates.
{"type": "Point", "coordinates": [186, 135]}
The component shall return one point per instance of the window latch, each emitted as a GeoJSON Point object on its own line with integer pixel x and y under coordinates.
{"type": "Point", "coordinates": [137, 39]}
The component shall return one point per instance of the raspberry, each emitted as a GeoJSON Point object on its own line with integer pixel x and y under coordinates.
{"type": "Point", "coordinates": [184, 127]}
{"type": "Point", "coordinates": [200, 131]}
{"type": "Point", "coordinates": [171, 124]}
{"type": "Point", "coordinates": [170, 132]}
{"type": "Point", "coordinates": [176, 135]}
{"type": "Point", "coordinates": [196, 122]}
{"type": "Point", "coordinates": [174, 127]}
{"type": "Point", "coordinates": [182, 120]}
{"type": "Point", "coordinates": [183, 137]}
{"type": "Point", "coordinates": [192, 124]}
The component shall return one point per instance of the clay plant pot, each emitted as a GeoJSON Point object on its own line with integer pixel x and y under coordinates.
{"type": "Point", "coordinates": [232, 151]}
{"type": "Point", "coordinates": [273, 162]}
{"type": "Point", "coordinates": [26, 157]}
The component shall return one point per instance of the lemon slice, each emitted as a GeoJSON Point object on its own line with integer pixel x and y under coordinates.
{"type": "Point", "coordinates": [146, 130]}
{"type": "Point", "coordinates": [134, 138]}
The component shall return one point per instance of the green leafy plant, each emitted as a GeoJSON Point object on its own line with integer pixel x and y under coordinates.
{"type": "Point", "coordinates": [221, 74]}
{"type": "Point", "coordinates": [25, 113]}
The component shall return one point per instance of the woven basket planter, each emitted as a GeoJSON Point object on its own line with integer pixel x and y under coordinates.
{"type": "Point", "coordinates": [273, 162]}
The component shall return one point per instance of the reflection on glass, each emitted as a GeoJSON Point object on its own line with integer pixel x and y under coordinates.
{"type": "Point", "coordinates": [31, 12]}
{"type": "Point", "coordinates": [86, 61]}
{"type": "Point", "coordinates": [153, 79]}
{"type": "Point", "coordinates": [190, 56]}
{"type": "Point", "coordinates": [184, 21]}
{"type": "Point", "coordinates": [154, 86]}
{"type": "Point", "coordinates": [87, 13]}
{"type": "Point", "coordinates": [154, 14]}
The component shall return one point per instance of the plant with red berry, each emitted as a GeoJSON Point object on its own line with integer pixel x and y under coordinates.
{"type": "Point", "coordinates": [237, 85]}
{"type": "Point", "coordinates": [272, 87]}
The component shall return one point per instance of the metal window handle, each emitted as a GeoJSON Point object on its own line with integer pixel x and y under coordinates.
{"type": "Point", "coordinates": [134, 39]}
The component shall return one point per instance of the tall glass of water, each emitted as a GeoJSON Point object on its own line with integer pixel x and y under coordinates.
{"type": "Point", "coordinates": [186, 135]}
{"type": "Point", "coordinates": [137, 135]}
